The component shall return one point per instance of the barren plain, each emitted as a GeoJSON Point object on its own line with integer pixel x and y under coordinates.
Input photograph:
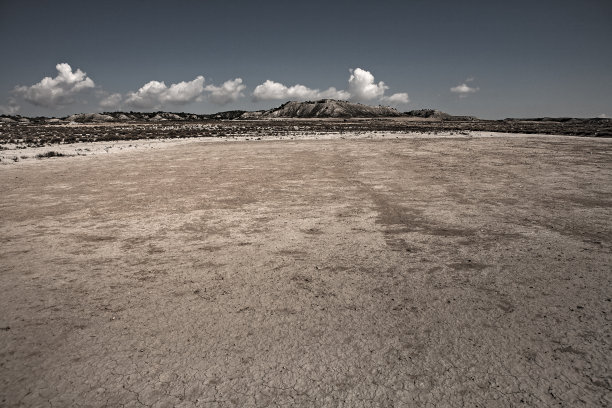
{"type": "Point", "coordinates": [398, 270]}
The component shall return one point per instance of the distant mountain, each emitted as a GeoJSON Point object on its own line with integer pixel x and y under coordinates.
{"type": "Point", "coordinates": [229, 115]}
{"type": "Point", "coordinates": [329, 108]}
{"type": "Point", "coordinates": [428, 114]}
{"type": "Point", "coordinates": [134, 117]}
{"type": "Point", "coordinates": [437, 115]}
{"type": "Point", "coordinates": [560, 120]}
{"type": "Point", "coordinates": [90, 117]}
{"type": "Point", "coordinates": [324, 108]}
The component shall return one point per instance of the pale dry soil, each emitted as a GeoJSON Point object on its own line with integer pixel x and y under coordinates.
{"type": "Point", "coordinates": [355, 273]}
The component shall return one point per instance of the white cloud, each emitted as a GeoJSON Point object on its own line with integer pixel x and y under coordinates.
{"type": "Point", "coordinates": [148, 96]}
{"type": "Point", "coordinates": [155, 94]}
{"type": "Point", "coordinates": [270, 90]}
{"type": "Point", "coordinates": [362, 86]}
{"type": "Point", "coordinates": [10, 108]}
{"type": "Point", "coordinates": [464, 90]}
{"type": "Point", "coordinates": [68, 84]}
{"type": "Point", "coordinates": [333, 93]}
{"type": "Point", "coordinates": [230, 91]}
{"type": "Point", "coordinates": [602, 116]}
{"type": "Point", "coordinates": [184, 92]}
{"type": "Point", "coordinates": [396, 98]}
{"type": "Point", "coordinates": [111, 101]}
{"type": "Point", "coordinates": [58, 91]}
{"type": "Point", "coordinates": [274, 90]}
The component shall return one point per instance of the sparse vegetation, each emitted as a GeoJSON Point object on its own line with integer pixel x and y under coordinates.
{"type": "Point", "coordinates": [50, 154]}
{"type": "Point", "coordinates": [111, 126]}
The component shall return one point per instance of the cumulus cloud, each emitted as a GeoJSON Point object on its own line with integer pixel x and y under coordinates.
{"type": "Point", "coordinates": [230, 91]}
{"type": "Point", "coordinates": [155, 94]}
{"type": "Point", "coordinates": [464, 90]}
{"type": "Point", "coordinates": [274, 90]}
{"type": "Point", "coordinates": [333, 93]}
{"type": "Point", "coordinates": [111, 101]}
{"type": "Point", "coordinates": [68, 84]}
{"type": "Point", "coordinates": [150, 95]}
{"type": "Point", "coordinates": [58, 91]}
{"type": "Point", "coordinates": [396, 98]}
{"type": "Point", "coordinates": [184, 92]}
{"type": "Point", "coordinates": [10, 108]}
{"type": "Point", "coordinates": [362, 86]}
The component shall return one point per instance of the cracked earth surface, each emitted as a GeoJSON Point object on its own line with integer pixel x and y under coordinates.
{"type": "Point", "coordinates": [411, 272]}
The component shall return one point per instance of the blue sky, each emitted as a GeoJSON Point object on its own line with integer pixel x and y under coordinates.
{"type": "Point", "coordinates": [491, 59]}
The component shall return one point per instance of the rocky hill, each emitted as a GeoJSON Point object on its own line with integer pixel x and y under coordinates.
{"type": "Point", "coordinates": [324, 108]}
{"type": "Point", "coordinates": [428, 114]}
{"type": "Point", "coordinates": [433, 114]}
{"type": "Point", "coordinates": [329, 108]}
{"type": "Point", "coordinates": [134, 117]}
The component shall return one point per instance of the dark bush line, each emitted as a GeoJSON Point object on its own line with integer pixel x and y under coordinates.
{"type": "Point", "coordinates": [50, 154]}
{"type": "Point", "coordinates": [36, 136]}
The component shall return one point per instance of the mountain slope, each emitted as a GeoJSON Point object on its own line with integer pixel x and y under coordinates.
{"type": "Point", "coordinates": [324, 108]}
{"type": "Point", "coordinates": [329, 108]}
{"type": "Point", "coordinates": [436, 115]}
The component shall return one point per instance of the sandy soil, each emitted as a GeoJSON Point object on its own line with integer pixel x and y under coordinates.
{"type": "Point", "coordinates": [18, 153]}
{"type": "Point", "coordinates": [368, 272]}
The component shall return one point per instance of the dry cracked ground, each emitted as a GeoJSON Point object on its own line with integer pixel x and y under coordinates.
{"type": "Point", "coordinates": [407, 272]}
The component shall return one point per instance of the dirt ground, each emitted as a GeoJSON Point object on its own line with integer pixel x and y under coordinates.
{"type": "Point", "coordinates": [463, 271]}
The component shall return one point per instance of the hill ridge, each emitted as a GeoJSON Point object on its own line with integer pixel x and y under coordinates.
{"type": "Point", "coordinates": [322, 108]}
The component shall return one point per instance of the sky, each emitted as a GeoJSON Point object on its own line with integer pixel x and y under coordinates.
{"type": "Point", "coordinates": [491, 59]}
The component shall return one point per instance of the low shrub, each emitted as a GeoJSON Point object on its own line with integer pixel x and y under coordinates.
{"type": "Point", "coordinates": [49, 154]}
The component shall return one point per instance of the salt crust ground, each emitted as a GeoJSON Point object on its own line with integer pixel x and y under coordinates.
{"type": "Point", "coordinates": [417, 271]}
{"type": "Point", "coordinates": [16, 154]}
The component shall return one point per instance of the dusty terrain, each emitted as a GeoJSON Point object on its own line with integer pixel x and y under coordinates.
{"type": "Point", "coordinates": [461, 271]}
{"type": "Point", "coordinates": [40, 132]}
